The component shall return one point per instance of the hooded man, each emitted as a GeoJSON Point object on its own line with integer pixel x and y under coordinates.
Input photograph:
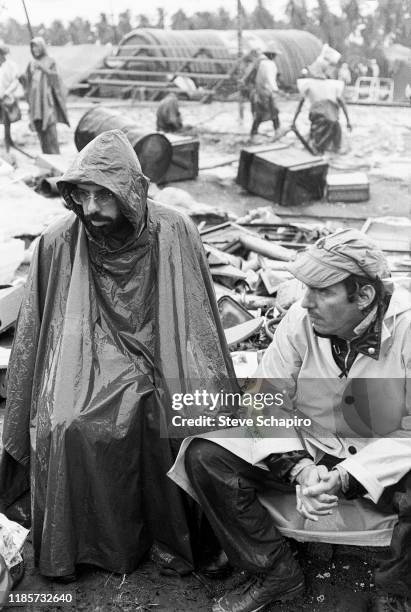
{"type": "Point", "coordinates": [45, 96]}
{"type": "Point", "coordinates": [342, 356]}
{"type": "Point", "coordinates": [119, 313]}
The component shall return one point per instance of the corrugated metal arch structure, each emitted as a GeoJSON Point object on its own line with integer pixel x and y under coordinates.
{"type": "Point", "coordinates": [149, 54]}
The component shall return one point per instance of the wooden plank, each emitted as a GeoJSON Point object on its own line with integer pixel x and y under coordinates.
{"type": "Point", "coordinates": [266, 248]}
{"type": "Point", "coordinates": [166, 58]}
{"type": "Point", "coordinates": [141, 84]}
{"type": "Point", "coordinates": [167, 46]}
{"type": "Point", "coordinates": [199, 75]}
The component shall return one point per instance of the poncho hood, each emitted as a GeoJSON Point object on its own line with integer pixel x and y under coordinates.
{"type": "Point", "coordinates": [40, 43]}
{"type": "Point", "coordinates": [110, 161]}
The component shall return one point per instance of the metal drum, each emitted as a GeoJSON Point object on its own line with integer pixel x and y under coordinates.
{"type": "Point", "coordinates": [153, 150]}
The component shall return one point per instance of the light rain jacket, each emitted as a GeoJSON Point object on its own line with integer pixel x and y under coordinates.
{"type": "Point", "coordinates": [369, 411]}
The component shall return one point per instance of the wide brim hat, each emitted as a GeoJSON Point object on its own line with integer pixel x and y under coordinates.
{"type": "Point", "coordinates": [271, 47]}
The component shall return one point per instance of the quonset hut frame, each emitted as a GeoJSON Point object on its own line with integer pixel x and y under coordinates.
{"type": "Point", "coordinates": [147, 60]}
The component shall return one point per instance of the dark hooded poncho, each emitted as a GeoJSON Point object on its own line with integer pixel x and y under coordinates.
{"type": "Point", "coordinates": [104, 336]}
{"type": "Point", "coordinates": [46, 93]}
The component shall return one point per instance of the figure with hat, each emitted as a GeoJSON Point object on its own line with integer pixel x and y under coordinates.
{"type": "Point", "coordinates": [260, 80]}
{"type": "Point", "coordinates": [341, 357]}
{"type": "Point", "coordinates": [10, 90]}
{"type": "Point", "coordinates": [46, 96]}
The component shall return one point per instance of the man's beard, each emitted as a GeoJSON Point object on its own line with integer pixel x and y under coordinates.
{"type": "Point", "coordinates": [118, 228]}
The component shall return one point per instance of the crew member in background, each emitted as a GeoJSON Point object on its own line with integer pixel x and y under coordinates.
{"type": "Point", "coordinates": [325, 98]}
{"type": "Point", "coordinates": [261, 80]}
{"type": "Point", "coordinates": [325, 65]}
{"type": "Point", "coordinates": [168, 115]}
{"type": "Point", "coordinates": [10, 89]}
{"type": "Point", "coordinates": [46, 97]}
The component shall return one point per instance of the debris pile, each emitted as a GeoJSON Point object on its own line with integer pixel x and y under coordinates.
{"type": "Point", "coordinates": [248, 262]}
{"type": "Point", "coordinates": [247, 255]}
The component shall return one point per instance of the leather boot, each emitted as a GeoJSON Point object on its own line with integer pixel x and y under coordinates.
{"type": "Point", "coordinates": [283, 582]}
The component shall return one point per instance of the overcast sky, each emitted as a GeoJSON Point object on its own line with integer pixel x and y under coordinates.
{"type": "Point", "coordinates": [47, 10]}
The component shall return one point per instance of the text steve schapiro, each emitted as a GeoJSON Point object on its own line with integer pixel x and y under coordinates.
{"type": "Point", "coordinates": [229, 421]}
{"type": "Point", "coordinates": [211, 401]}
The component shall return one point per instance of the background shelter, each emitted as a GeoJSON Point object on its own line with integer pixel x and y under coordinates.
{"type": "Point", "coordinates": [151, 58]}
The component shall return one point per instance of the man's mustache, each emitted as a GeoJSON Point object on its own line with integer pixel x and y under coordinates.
{"type": "Point", "coordinates": [97, 217]}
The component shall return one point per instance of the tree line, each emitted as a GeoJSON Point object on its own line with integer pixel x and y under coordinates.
{"type": "Point", "coordinates": [390, 21]}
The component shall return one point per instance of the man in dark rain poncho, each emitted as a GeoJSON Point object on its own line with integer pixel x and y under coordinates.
{"type": "Point", "coordinates": [119, 311]}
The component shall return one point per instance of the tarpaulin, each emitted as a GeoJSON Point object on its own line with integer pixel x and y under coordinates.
{"type": "Point", "coordinates": [105, 334]}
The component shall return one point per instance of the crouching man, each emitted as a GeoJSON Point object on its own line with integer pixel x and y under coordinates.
{"type": "Point", "coordinates": [345, 353]}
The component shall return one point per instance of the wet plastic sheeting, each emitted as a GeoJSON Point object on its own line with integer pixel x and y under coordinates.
{"type": "Point", "coordinates": [153, 150]}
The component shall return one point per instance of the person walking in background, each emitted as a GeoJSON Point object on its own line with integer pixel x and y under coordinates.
{"type": "Point", "coordinates": [261, 79]}
{"type": "Point", "coordinates": [10, 89]}
{"type": "Point", "coordinates": [45, 95]}
{"type": "Point", "coordinates": [325, 98]}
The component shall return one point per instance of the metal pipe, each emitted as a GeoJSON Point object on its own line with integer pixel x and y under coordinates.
{"type": "Point", "coordinates": [28, 20]}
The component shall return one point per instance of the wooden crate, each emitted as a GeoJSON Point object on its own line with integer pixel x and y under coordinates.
{"type": "Point", "coordinates": [251, 166]}
{"type": "Point", "coordinates": [304, 183]}
{"type": "Point", "coordinates": [184, 161]}
{"type": "Point", "coordinates": [287, 177]}
{"type": "Point", "coordinates": [348, 187]}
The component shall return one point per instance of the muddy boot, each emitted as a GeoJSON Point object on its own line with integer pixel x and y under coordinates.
{"type": "Point", "coordinates": [284, 582]}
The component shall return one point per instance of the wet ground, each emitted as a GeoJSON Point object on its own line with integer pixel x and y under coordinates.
{"type": "Point", "coordinates": [378, 145]}
{"type": "Point", "coordinates": [339, 579]}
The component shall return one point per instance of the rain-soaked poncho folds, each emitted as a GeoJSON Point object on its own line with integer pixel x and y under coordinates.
{"type": "Point", "coordinates": [104, 336]}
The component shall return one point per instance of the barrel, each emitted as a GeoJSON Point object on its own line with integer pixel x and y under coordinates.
{"type": "Point", "coordinates": [48, 186]}
{"type": "Point", "coordinates": [153, 149]}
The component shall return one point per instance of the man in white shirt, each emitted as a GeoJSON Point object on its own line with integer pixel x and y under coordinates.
{"type": "Point", "coordinates": [325, 98]}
